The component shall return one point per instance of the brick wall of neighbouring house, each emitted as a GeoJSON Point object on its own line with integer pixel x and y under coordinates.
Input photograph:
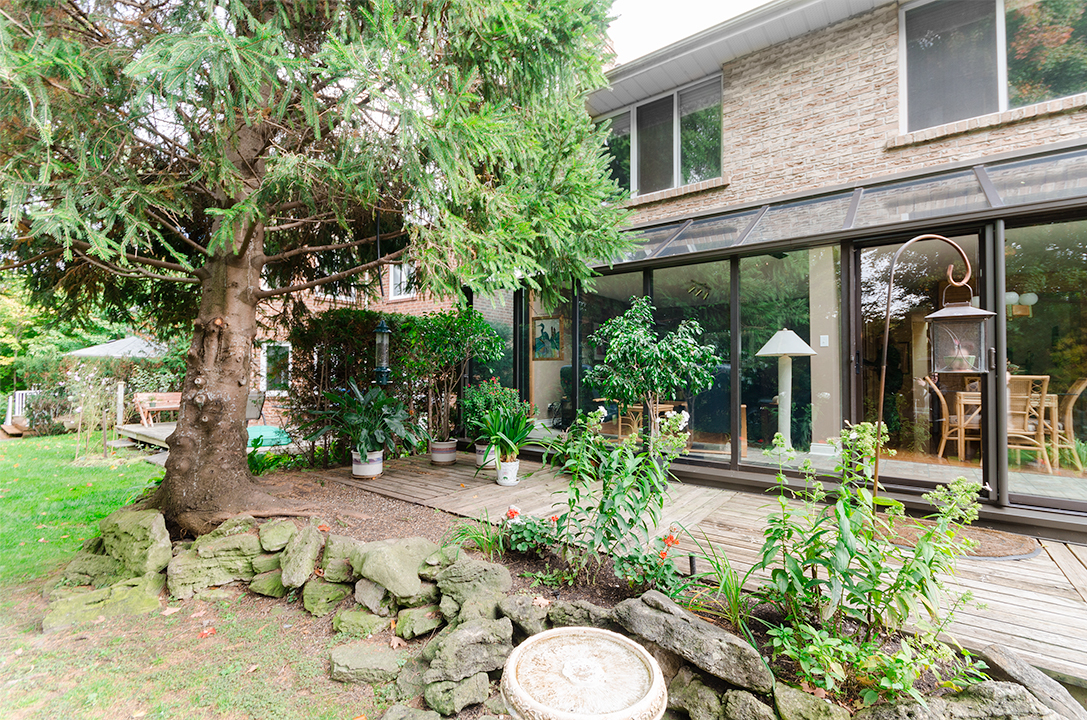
{"type": "Point", "coordinates": [823, 110]}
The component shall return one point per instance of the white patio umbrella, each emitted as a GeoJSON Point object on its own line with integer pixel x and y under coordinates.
{"type": "Point", "coordinates": [125, 347]}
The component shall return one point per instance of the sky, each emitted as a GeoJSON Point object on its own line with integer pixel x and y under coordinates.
{"type": "Point", "coordinates": [643, 26]}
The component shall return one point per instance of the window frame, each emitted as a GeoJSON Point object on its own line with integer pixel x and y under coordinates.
{"type": "Point", "coordinates": [264, 346]}
{"type": "Point", "coordinates": [632, 112]}
{"type": "Point", "coordinates": [394, 285]}
{"type": "Point", "coordinates": [1001, 64]}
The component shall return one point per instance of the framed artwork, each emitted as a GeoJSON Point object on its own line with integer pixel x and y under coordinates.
{"type": "Point", "coordinates": [547, 338]}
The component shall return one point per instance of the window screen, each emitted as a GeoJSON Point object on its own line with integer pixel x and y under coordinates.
{"type": "Point", "coordinates": [619, 150]}
{"type": "Point", "coordinates": [951, 62]}
{"type": "Point", "coordinates": [655, 144]}
{"type": "Point", "coordinates": [700, 132]}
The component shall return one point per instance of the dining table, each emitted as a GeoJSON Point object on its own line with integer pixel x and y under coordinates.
{"type": "Point", "coordinates": [968, 407]}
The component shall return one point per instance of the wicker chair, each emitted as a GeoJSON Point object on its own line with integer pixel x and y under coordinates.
{"type": "Point", "coordinates": [1026, 406]}
{"type": "Point", "coordinates": [962, 429]}
{"type": "Point", "coordinates": [1066, 434]}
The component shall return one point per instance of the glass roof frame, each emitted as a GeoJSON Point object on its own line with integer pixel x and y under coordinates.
{"type": "Point", "coordinates": [944, 195]}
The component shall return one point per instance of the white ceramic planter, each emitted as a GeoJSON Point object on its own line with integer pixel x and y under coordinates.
{"type": "Point", "coordinates": [371, 467]}
{"type": "Point", "coordinates": [507, 473]}
{"type": "Point", "coordinates": [484, 457]}
{"type": "Point", "coordinates": [443, 453]}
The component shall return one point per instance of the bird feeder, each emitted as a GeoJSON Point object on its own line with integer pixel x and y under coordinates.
{"type": "Point", "coordinates": [381, 359]}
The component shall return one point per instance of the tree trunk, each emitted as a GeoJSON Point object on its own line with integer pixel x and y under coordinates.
{"type": "Point", "coordinates": [207, 473]}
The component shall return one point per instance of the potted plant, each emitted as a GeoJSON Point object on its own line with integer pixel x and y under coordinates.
{"type": "Point", "coordinates": [506, 431]}
{"type": "Point", "coordinates": [441, 344]}
{"type": "Point", "coordinates": [373, 422]}
{"type": "Point", "coordinates": [477, 402]}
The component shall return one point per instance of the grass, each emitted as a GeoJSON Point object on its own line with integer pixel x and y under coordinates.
{"type": "Point", "coordinates": [50, 504]}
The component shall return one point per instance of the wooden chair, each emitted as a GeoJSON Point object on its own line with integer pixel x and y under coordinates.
{"type": "Point", "coordinates": [963, 426]}
{"type": "Point", "coordinates": [1066, 434]}
{"type": "Point", "coordinates": [1026, 407]}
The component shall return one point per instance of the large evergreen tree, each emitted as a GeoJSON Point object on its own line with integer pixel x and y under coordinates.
{"type": "Point", "coordinates": [253, 149]}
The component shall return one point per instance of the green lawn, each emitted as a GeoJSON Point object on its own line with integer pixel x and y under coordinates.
{"type": "Point", "coordinates": [50, 504]}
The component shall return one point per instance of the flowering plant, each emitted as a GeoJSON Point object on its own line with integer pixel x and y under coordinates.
{"type": "Point", "coordinates": [481, 399]}
{"type": "Point", "coordinates": [652, 567]}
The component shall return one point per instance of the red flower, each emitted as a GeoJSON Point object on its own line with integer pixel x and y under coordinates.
{"type": "Point", "coordinates": [554, 518]}
{"type": "Point", "coordinates": [664, 554]}
{"type": "Point", "coordinates": [513, 512]}
{"type": "Point", "coordinates": [671, 540]}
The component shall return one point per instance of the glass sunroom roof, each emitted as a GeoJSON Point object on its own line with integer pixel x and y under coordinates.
{"type": "Point", "coordinates": [1057, 176]}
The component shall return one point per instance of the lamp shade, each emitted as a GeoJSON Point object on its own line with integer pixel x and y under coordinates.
{"type": "Point", "coordinates": [785, 343]}
{"type": "Point", "coordinates": [958, 338]}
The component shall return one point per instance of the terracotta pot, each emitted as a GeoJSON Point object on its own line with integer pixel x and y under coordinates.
{"type": "Point", "coordinates": [484, 457]}
{"type": "Point", "coordinates": [507, 473]}
{"type": "Point", "coordinates": [371, 467]}
{"type": "Point", "coordinates": [443, 453]}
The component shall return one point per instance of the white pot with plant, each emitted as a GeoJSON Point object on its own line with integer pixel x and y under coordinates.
{"type": "Point", "coordinates": [506, 432]}
{"type": "Point", "coordinates": [477, 402]}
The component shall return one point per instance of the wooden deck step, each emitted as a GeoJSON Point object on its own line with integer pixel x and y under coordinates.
{"type": "Point", "coordinates": [1070, 565]}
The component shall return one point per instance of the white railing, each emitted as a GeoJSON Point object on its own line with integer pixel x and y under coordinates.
{"type": "Point", "coordinates": [17, 404]}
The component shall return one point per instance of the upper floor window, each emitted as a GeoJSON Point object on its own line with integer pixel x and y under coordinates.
{"type": "Point", "coordinates": [400, 280]}
{"type": "Point", "coordinates": [670, 141]}
{"type": "Point", "coordinates": [966, 58]}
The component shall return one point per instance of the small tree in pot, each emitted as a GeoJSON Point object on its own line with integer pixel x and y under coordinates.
{"type": "Point", "coordinates": [441, 346]}
{"type": "Point", "coordinates": [372, 421]}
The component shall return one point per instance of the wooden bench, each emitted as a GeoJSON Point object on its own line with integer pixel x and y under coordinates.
{"type": "Point", "coordinates": [149, 405]}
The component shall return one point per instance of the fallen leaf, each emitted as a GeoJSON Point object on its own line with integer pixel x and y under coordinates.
{"type": "Point", "coordinates": [323, 528]}
{"type": "Point", "coordinates": [170, 610]}
{"type": "Point", "coordinates": [206, 633]}
{"type": "Point", "coordinates": [360, 717]}
{"type": "Point", "coordinates": [540, 602]}
{"type": "Point", "coordinates": [98, 620]}
{"type": "Point", "coordinates": [819, 693]}
{"type": "Point", "coordinates": [139, 713]}
{"type": "Point", "coordinates": [197, 614]}
{"type": "Point", "coordinates": [19, 651]}
{"type": "Point", "coordinates": [463, 485]}
{"type": "Point", "coordinates": [397, 643]}
{"type": "Point", "coordinates": [432, 614]}
{"type": "Point", "coordinates": [252, 668]}
{"type": "Point", "coordinates": [318, 572]}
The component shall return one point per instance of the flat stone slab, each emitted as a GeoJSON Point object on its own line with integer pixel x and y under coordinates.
{"type": "Point", "coordinates": [366, 662]}
{"type": "Point", "coordinates": [138, 596]}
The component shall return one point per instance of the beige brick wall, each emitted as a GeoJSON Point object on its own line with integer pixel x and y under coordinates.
{"type": "Point", "coordinates": [823, 110]}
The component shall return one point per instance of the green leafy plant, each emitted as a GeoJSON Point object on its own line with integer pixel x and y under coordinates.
{"type": "Point", "coordinates": [260, 463]}
{"type": "Point", "coordinates": [371, 421]}
{"type": "Point", "coordinates": [652, 567]}
{"type": "Point", "coordinates": [506, 432]}
{"type": "Point", "coordinates": [823, 659]}
{"type": "Point", "coordinates": [482, 399]}
{"type": "Point", "coordinates": [725, 587]}
{"type": "Point", "coordinates": [488, 538]}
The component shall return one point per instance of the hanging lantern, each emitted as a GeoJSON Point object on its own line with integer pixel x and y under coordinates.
{"type": "Point", "coordinates": [957, 332]}
{"type": "Point", "coordinates": [381, 360]}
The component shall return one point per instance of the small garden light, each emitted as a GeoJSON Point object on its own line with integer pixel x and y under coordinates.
{"type": "Point", "coordinates": [381, 360]}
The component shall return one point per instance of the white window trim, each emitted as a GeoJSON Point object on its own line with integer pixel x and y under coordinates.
{"type": "Point", "coordinates": [393, 294]}
{"type": "Point", "coordinates": [632, 111]}
{"type": "Point", "coordinates": [1001, 65]}
{"type": "Point", "coordinates": [264, 367]}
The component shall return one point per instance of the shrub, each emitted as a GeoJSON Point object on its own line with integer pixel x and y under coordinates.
{"type": "Point", "coordinates": [479, 400]}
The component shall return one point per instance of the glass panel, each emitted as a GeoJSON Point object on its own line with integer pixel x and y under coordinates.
{"type": "Point", "coordinates": [929, 197]}
{"type": "Point", "coordinates": [497, 310]}
{"type": "Point", "coordinates": [710, 234]}
{"type": "Point", "coordinates": [935, 423]}
{"type": "Point", "coordinates": [1049, 178]}
{"type": "Point", "coordinates": [799, 291]}
{"type": "Point", "coordinates": [549, 352]}
{"type": "Point", "coordinates": [650, 242]}
{"type": "Point", "coordinates": [701, 293]}
{"type": "Point", "coordinates": [278, 368]}
{"type": "Point", "coordinates": [951, 61]}
{"type": "Point", "coordinates": [1046, 283]}
{"type": "Point", "coordinates": [1047, 50]}
{"type": "Point", "coordinates": [655, 146]}
{"type": "Point", "coordinates": [700, 132]}
{"type": "Point", "coordinates": [609, 297]}
{"type": "Point", "coordinates": [619, 150]}
{"type": "Point", "coordinates": [808, 217]}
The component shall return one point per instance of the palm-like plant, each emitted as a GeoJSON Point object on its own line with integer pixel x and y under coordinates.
{"type": "Point", "coordinates": [506, 431]}
{"type": "Point", "coordinates": [372, 420]}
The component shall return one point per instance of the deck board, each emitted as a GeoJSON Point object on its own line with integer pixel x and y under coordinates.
{"type": "Point", "coordinates": [1037, 606]}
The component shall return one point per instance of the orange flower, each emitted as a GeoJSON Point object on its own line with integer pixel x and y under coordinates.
{"type": "Point", "coordinates": [554, 518]}
{"type": "Point", "coordinates": [513, 512]}
{"type": "Point", "coordinates": [671, 540]}
{"type": "Point", "coordinates": [664, 554]}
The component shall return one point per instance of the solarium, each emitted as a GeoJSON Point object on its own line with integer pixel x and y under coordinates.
{"type": "Point", "coordinates": [818, 265]}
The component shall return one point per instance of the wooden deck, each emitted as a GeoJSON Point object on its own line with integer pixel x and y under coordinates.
{"type": "Point", "coordinates": [154, 435]}
{"type": "Point", "coordinates": [1037, 606]}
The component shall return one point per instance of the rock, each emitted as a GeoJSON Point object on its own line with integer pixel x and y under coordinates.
{"type": "Point", "coordinates": [237, 525]}
{"type": "Point", "coordinates": [795, 704]}
{"type": "Point", "coordinates": [995, 699]}
{"type": "Point", "coordinates": [243, 546]}
{"type": "Point", "coordinates": [657, 619]}
{"type": "Point", "coordinates": [88, 568]}
{"type": "Point", "coordinates": [580, 613]}
{"type": "Point", "coordinates": [215, 594]}
{"type": "Point", "coordinates": [365, 662]}
{"type": "Point", "coordinates": [688, 692]}
{"type": "Point", "coordinates": [670, 663]}
{"type": "Point", "coordinates": [137, 596]}
{"type": "Point", "coordinates": [188, 572]}
{"type": "Point", "coordinates": [137, 539]}
{"type": "Point", "coordinates": [438, 561]}
{"type": "Point", "coordinates": [468, 576]}
{"type": "Point", "coordinates": [413, 622]}
{"type": "Point", "coordinates": [496, 705]}
{"type": "Point", "coordinates": [481, 605]}
{"type": "Point", "coordinates": [905, 709]}
{"type": "Point", "coordinates": [320, 597]}
{"type": "Point", "coordinates": [374, 598]}
{"type": "Point", "coordinates": [265, 562]}
{"type": "Point", "coordinates": [394, 564]}
{"type": "Point", "coordinates": [299, 556]}
{"type": "Point", "coordinates": [361, 623]}
{"type": "Point", "coordinates": [429, 595]}
{"type": "Point", "coordinates": [336, 562]}
{"type": "Point", "coordinates": [430, 649]}
{"type": "Point", "coordinates": [269, 584]}
{"type": "Point", "coordinates": [450, 607]}
{"type": "Point", "coordinates": [409, 683]}
{"type": "Point", "coordinates": [403, 712]}
{"type": "Point", "coordinates": [1004, 664]}
{"type": "Point", "coordinates": [275, 535]}
{"type": "Point", "coordinates": [473, 647]}
{"type": "Point", "coordinates": [526, 616]}
{"type": "Point", "coordinates": [742, 705]}
{"type": "Point", "coordinates": [449, 698]}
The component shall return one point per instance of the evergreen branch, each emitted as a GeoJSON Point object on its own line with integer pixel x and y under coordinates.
{"type": "Point", "coordinates": [295, 223]}
{"type": "Point", "coordinates": [339, 246]}
{"type": "Point", "coordinates": [161, 264]}
{"type": "Point", "coordinates": [30, 261]}
{"type": "Point", "coordinates": [386, 260]}
{"type": "Point", "coordinates": [180, 233]}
